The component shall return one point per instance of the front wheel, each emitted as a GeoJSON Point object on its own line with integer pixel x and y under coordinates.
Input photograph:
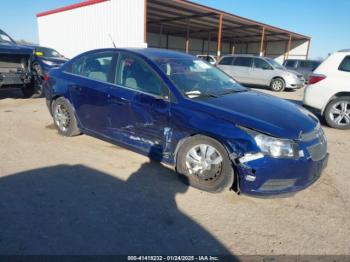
{"type": "Point", "coordinates": [205, 163]}
{"type": "Point", "coordinates": [277, 85]}
{"type": "Point", "coordinates": [28, 90]}
{"type": "Point", "coordinates": [337, 113]}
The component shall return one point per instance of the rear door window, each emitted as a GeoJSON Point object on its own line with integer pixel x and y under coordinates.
{"type": "Point", "coordinates": [345, 64]}
{"type": "Point", "coordinates": [97, 66]}
{"type": "Point", "coordinates": [100, 66]}
{"type": "Point", "coordinates": [226, 61]}
{"type": "Point", "coordinates": [243, 61]}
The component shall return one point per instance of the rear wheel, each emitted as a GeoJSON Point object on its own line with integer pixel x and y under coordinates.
{"type": "Point", "coordinates": [277, 85]}
{"type": "Point", "coordinates": [337, 113]}
{"type": "Point", "coordinates": [64, 117]}
{"type": "Point", "coordinates": [205, 163]}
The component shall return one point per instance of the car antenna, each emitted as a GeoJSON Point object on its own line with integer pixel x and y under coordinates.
{"type": "Point", "coordinates": [112, 41]}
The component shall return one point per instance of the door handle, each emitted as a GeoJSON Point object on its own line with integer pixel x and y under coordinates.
{"type": "Point", "coordinates": [77, 88]}
{"type": "Point", "coordinates": [117, 100]}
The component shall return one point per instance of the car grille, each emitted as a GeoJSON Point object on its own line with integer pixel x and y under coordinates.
{"type": "Point", "coordinates": [319, 150]}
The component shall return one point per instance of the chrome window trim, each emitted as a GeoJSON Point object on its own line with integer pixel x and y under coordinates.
{"type": "Point", "coordinates": [119, 86]}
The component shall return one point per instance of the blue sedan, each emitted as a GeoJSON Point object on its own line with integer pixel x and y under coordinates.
{"type": "Point", "coordinates": [182, 111]}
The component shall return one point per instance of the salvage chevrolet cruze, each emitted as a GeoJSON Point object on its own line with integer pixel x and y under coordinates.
{"type": "Point", "coordinates": [182, 111]}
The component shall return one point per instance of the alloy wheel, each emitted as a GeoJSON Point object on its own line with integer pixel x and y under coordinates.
{"type": "Point", "coordinates": [277, 85]}
{"type": "Point", "coordinates": [62, 117]}
{"type": "Point", "coordinates": [340, 113]}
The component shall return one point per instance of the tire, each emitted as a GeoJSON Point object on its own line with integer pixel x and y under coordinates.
{"type": "Point", "coordinates": [33, 90]}
{"type": "Point", "coordinates": [277, 85]}
{"type": "Point", "coordinates": [64, 118]}
{"type": "Point", "coordinates": [337, 113]}
{"type": "Point", "coordinates": [28, 91]}
{"type": "Point", "coordinates": [218, 177]}
{"type": "Point", "coordinates": [38, 80]}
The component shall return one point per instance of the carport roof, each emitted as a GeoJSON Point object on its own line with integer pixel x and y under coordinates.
{"type": "Point", "coordinates": [179, 17]}
{"type": "Point", "coordinates": [176, 17]}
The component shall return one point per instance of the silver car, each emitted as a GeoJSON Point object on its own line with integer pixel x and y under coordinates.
{"type": "Point", "coordinates": [264, 71]}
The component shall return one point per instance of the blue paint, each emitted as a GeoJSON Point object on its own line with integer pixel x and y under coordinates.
{"type": "Point", "coordinates": [155, 127]}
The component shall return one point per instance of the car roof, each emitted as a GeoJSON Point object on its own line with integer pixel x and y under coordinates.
{"type": "Point", "coordinates": [244, 55]}
{"type": "Point", "coordinates": [153, 53]}
{"type": "Point", "coordinates": [309, 60]}
{"type": "Point", "coordinates": [344, 51]}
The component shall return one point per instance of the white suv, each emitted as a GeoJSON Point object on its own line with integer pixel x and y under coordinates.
{"type": "Point", "coordinates": [329, 90]}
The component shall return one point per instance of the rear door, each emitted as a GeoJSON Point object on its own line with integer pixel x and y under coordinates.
{"type": "Point", "coordinates": [225, 64]}
{"type": "Point", "coordinates": [89, 80]}
{"type": "Point", "coordinates": [241, 69]}
{"type": "Point", "coordinates": [342, 80]}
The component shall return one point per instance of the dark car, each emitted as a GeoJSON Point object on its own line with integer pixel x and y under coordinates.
{"type": "Point", "coordinates": [15, 65]}
{"type": "Point", "coordinates": [44, 60]}
{"type": "Point", "coordinates": [304, 67]}
{"type": "Point", "coordinates": [182, 111]}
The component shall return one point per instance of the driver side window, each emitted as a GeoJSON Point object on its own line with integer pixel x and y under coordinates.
{"type": "Point", "coordinates": [135, 74]}
{"type": "Point", "coordinates": [261, 64]}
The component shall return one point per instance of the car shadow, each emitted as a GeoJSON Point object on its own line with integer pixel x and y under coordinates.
{"type": "Point", "coordinates": [74, 209]}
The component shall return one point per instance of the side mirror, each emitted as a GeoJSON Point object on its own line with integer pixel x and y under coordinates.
{"type": "Point", "coordinates": [267, 68]}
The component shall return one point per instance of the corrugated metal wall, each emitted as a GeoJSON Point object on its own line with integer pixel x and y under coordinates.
{"type": "Point", "coordinates": [74, 31]}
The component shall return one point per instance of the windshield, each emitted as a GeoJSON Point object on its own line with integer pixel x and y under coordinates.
{"type": "Point", "coordinates": [197, 78]}
{"type": "Point", "coordinates": [275, 64]}
{"type": "Point", "coordinates": [5, 38]}
{"type": "Point", "coordinates": [48, 52]}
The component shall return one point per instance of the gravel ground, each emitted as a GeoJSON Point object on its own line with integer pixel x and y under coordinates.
{"type": "Point", "coordinates": [84, 196]}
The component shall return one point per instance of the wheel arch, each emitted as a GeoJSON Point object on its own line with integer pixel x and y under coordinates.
{"type": "Point", "coordinates": [277, 77]}
{"type": "Point", "coordinates": [227, 146]}
{"type": "Point", "coordinates": [335, 96]}
{"type": "Point", "coordinates": [231, 154]}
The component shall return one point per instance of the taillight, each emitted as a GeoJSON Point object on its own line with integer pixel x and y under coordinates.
{"type": "Point", "coordinates": [46, 77]}
{"type": "Point", "coordinates": [313, 79]}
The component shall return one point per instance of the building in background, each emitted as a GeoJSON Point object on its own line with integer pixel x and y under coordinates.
{"type": "Point", "coordinates": [172, 24]}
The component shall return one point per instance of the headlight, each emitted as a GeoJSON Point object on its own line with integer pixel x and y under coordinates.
{"type": "Point", "coordinates": [274, 147]}
{"type": "Point", "coordinates": [49, 63]}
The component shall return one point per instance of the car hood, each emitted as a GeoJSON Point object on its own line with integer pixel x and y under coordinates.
{"type": "Point", "coordinates": [56, 60]}
{"type": "Point", "coordinates": [8, 48]}
{"type": "Point", "coordinates": [264, 113]}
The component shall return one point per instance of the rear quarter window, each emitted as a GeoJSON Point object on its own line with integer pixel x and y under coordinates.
{"type": "Point", "coordinates": [345, 64]}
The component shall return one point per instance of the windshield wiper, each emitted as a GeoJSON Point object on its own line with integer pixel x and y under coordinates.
{"type": "Point", "coordinates": [196, 93]}
{"type": "Point", "coordinates": [231, 91]}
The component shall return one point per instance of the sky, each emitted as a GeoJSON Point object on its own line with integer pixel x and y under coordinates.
{"type": "Point", "coordinates": [326, 21]}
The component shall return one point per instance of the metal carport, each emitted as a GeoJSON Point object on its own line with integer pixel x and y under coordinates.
{"type": "Point", "coordinates": [197, 29]}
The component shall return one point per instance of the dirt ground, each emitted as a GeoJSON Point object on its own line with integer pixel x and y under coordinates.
{"type": "Point", "coordinates": [84, 196]}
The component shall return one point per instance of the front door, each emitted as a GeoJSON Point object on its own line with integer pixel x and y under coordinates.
{"type": "Point", "coordinates": [261, 73]}
{"type": "Point", "coordinates": [241, 69]}
{"type": "Point", "coordinates": [148, 103]}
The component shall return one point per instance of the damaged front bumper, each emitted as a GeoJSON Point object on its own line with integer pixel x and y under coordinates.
{"type": "Point", "coordinates": [261, 175]}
